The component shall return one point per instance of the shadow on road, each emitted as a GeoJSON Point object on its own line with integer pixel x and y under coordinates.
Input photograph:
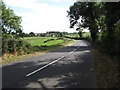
{"type": "Point", "coordinates": [71, 48]}
{"type": "Point", "coordinates": [74, 71]}
{"type": "Point", "coordinates": [77, 73]}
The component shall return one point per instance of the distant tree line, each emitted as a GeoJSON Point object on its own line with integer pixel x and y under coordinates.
{"type": "Point", "coordinates": [47, 34]}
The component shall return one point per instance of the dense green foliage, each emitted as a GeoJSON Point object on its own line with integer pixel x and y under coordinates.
{"type": "Point", "coordinates": [15, 46]}
{"type": "Point", "coordinates": [10, 23]}
{"type": "Point", "coordinates": [88, 13]}
{"type": "Point", "coordinates": [102, 20]}
{"type": "Point", "coordinates": [11, 32]}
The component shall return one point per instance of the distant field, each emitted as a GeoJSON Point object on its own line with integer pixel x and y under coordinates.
{"type": "Point", "coordinates": [28, 38]}
{"type": "Point", "coordinates": [39, 41]}
{"type": "Point", "coordinates": [54, 42]}
{"type": "Point", "coordinates": [84, 34]}
{"type": "Point", "coordinates": [73, 35]}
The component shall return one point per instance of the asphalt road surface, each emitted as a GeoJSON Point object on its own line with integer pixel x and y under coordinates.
{"type": "Point", "coordinates": [69, 67]}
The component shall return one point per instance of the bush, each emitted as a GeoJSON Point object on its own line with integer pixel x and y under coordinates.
{"type": "Point", "coordinates": [111, 46]}
{"type": "Point", "coordinates": [15, 46]}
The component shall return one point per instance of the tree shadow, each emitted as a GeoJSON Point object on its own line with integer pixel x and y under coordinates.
{"type": "Point", "coordinates": [77, 73]}
{"type": "Point", "coordinates": [15, 72]}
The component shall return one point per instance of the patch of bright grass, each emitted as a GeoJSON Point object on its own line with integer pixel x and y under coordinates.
{"type": "Point", "coordinates": [73, 36]}
{"type": "Point", "coordinates": [86, 34]}
{"type": "Point", "coordinates": [38, 41]}
{"type": "Point", "coordinates": [16, 58]}
{"type": "Point", "coordinates": [54, 42]}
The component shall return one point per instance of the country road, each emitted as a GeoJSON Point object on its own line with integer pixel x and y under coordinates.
{"type": "Point", "coordinates": [69, 67]}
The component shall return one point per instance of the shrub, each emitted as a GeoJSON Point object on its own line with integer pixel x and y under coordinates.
{"type": "Point", "coordinates": [15, 46]}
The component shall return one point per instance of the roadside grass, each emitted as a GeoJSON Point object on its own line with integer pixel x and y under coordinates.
{"type": "Point", "coordinates": [49, 46]}
{"type": "Point", "coordinates": [17, 58]}
{"type": "Point", "coordinates": [106, 70]}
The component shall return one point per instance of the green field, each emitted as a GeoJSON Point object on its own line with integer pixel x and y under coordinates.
{"type": "Point", "coordinates": [31, 38]}
{"type": "Point", "coordinates": [54, 42]}
{"type": "Point", "coordinates": [84, 34]}
{"type": "Point", "coordinates": [73, 35]}
{"type": "Point", "coordinates": [40, 41]}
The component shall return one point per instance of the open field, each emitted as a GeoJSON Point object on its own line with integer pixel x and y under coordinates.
{"type": "Point", "coordinates": [54, 42]}
{"type": "Point", "coordinates": [84, 35]}
{"type": "Point", "coordinates": [43, 38]}
{"type": "Point", "coordinates": [73, 35]}
{"type": "Point", "coordinates": [40, 41]}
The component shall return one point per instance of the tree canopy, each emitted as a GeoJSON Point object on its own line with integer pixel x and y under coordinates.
{"type": "Point", "coordinates": [94, 15]}
{"type": "Point", "coordinates": [101, 18]}
{"type": "Point", "coordinates": [86, 15]}
{"type": "Point", "coordinates": [10, 22]}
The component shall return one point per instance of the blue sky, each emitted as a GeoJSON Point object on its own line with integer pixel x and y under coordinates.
{"type": "Point", "coordinates": [42, 15]}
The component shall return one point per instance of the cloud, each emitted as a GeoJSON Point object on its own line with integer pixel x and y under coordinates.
{"type": "Point", "coordinates": [63, 0]}
{"type": "Point", "coordinates": [23, 3]}
{"type": "Point", "coordinates": [46, 19]}
{"type": "Point", "coordinates": [42, 17]}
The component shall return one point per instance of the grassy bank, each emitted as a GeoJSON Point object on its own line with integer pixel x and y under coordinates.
{"type": "Point", "coordinates": [107, 74]}
{"type": "Point", "coordinates": [39, 47]}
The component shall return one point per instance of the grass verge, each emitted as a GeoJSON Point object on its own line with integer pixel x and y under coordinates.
{"type": "Point", "coordinates": [14, 58]}
{"type": "Point", "coordinates": [106, 69]}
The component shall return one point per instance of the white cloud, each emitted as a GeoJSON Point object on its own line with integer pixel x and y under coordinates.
{"type": "Point", "coordinates": [63, 0]}
{"type": "Point", "coordinates": [24, 3]}
{"type": "Point", "coordinates": [42, 17]}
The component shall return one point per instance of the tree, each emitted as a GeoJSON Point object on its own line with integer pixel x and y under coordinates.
{"type": "Point", "coordinates": [31, 34]}
{"type": "Point", "coordinates": [112, 15]}
{"type": "Point", "coordinates": [86, 15]}
{"type": "Point", "coordinates": [10, 23]}
{"type": "Point", "coordinates": [79, 31]}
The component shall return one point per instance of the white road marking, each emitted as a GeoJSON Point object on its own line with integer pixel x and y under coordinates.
{"type": "Point", "coordinates": [44, 66]}
{"type": "Point", "coordinates": [78, 47]}
{"type": "Point", "coordinates": [72, 51]}
{"type": "Point", "coordinates": [50, 63]}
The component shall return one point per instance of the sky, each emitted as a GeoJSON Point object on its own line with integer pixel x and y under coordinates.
{"type": "Point", "coordinates": [40, 16]}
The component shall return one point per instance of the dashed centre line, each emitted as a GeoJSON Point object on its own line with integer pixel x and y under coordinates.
{"type": "Point", "coordinates": [72, 51]}
{"type": "Point", "coordinates": [44, 66]}
{"type": "Point", "coordinates": [50, 63]}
